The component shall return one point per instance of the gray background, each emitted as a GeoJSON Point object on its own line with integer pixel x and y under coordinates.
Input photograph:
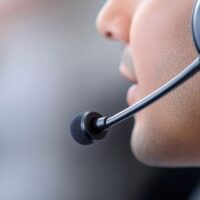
{"type": "Point", "coordinates": [53, 65]}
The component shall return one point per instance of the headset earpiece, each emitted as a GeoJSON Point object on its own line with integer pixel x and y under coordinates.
{"type": "Point", "coordinates": [196, 25]}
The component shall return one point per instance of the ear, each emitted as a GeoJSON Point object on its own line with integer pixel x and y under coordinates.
{"type": "Point", "coordinates": [196, 24]}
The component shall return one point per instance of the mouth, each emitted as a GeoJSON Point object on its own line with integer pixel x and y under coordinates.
{"type": "Point", "coordinates": [127, 70]}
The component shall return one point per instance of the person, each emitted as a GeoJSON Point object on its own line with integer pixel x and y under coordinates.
{"type": "Point", "coordinates": [158, 44]}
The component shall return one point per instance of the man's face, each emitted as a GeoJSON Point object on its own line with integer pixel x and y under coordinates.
{"type": "Point", "coordinates": [157, 37]}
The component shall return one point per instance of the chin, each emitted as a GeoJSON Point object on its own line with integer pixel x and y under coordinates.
{"type": "Point", "coordinates": [143, 153]}
{"type": "Point", "coordinates": [159, 151]}
{"type": "Point", "coordinates": [141, 147]}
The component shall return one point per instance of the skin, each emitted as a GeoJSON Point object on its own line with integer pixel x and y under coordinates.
{"type": "Point", "coordinates": [157, 34]}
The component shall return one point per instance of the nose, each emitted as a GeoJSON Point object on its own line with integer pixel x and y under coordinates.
{"type": "Point", "coordinates": [114, 20]}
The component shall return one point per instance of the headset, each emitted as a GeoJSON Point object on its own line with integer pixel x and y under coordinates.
{"type": "Point", "coordinates": [89, 127]}
{"type": "Point", "coordinates": [196, 25]}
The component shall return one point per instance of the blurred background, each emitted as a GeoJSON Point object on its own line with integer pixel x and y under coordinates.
{"type": "Point", "coordinates": [54, 64]}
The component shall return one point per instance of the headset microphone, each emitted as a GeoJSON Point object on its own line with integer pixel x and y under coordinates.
{"type": "Point", "coordinates": [89, 127]}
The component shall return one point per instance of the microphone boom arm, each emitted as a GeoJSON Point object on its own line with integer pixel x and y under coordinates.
{"type": "Point", "coordinates": [184, 75]}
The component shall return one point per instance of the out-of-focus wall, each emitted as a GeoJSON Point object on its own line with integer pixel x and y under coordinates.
{"type": "Point", "coordinates": [52, 65]}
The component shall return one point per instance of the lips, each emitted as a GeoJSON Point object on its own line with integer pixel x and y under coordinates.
{"type": "Point", "coordinates": [127, 69]}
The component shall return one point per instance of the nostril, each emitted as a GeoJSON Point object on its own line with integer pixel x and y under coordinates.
{"type": "Point", "coordinates": [109, 34]}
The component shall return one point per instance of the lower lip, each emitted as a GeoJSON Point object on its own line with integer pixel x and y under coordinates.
{"type": "Point", "coordinates": [132, 94]}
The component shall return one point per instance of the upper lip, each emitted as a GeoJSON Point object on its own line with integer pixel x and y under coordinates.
{"type": "Point", "coordinates": [127, 67]}
{"type": "Point", "coordinates": [127, 75]}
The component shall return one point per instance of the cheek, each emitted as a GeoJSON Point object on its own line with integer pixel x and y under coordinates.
{"type": "Point", "coordinates": [162, 45]}
{"type": "Point", "coordinates": [160, 39]}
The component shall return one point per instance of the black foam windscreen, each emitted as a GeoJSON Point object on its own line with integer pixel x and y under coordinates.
{"type": "Point", "coordinates": [84, 130]}
{"type": "Point", "coordinates": [77, 132]}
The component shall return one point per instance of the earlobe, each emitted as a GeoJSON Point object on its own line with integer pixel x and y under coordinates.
{"type": "Point", "coordinates": [196, 25]}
